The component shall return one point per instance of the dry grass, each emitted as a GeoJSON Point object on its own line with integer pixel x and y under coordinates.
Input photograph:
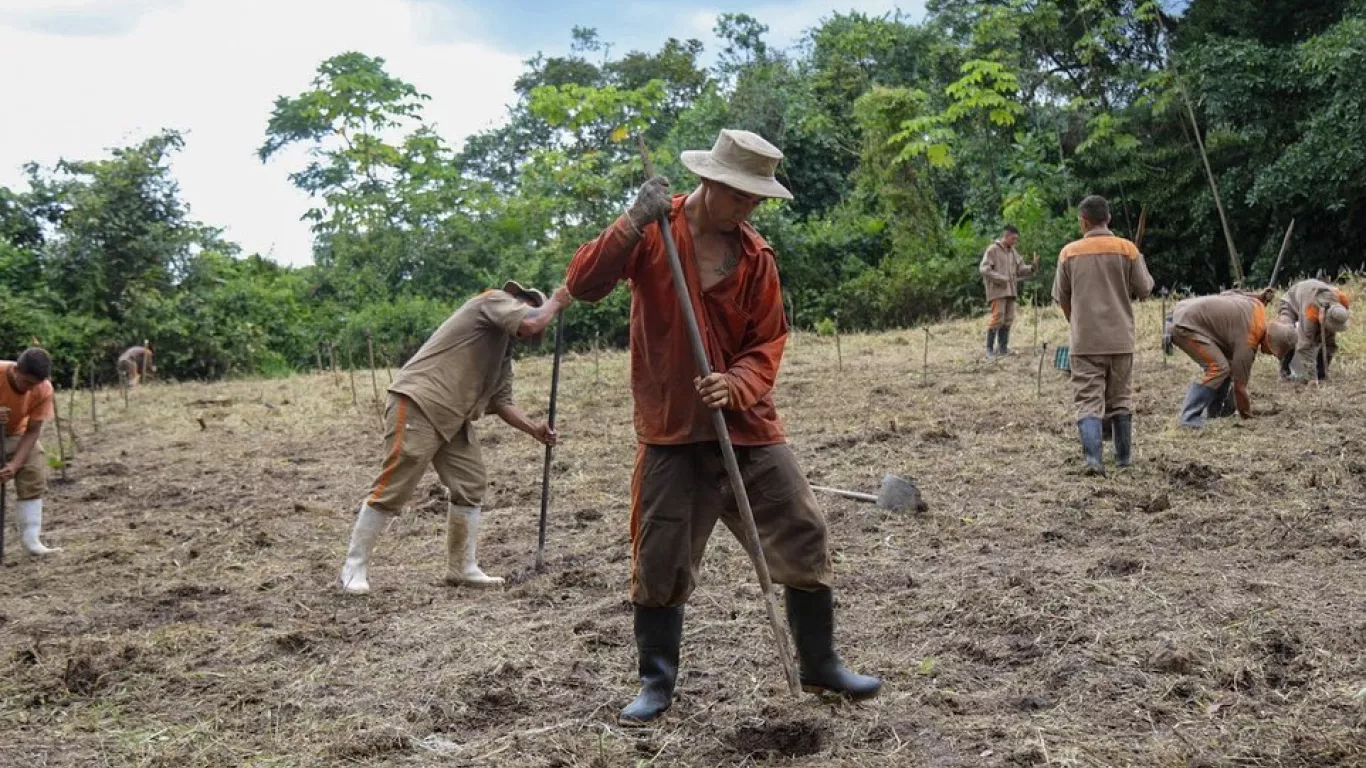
{"type": "Point", "coordinates": [1206, 608]}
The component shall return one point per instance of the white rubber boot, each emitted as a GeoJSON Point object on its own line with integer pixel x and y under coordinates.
{"type": "Point", "coordinates": [462, 549]}
{"type": "Point", "coordinates": [370, 522]}
{"type": "Point", "coordinates": [28, 518]}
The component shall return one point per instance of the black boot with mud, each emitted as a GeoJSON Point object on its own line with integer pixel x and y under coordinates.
{"type": "Point", "coordinates": [659, 633]}
{"type": "Point", "coordinates": [1123, 426]}
{"type": "Point", "coordinates": [811, 616]}
{"type": "Point", "coordinates": [1092, 445]}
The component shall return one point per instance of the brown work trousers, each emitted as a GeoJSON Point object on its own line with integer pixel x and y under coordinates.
{"type": "Point", "coordinates": [1002, 313]}
{"type": "Point", "coordinates": [411, 444]}
{"type": "Point", "coordinates": [679, 491]}
{"type": "Point", "coordinates": [1101, 385]}
{"type": "Point", "coordinates": [30, 482]}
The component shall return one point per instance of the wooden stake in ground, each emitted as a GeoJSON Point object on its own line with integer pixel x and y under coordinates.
{"type": "Point", "coordinates": [839, 353]}
{"type": "Point", "coordinates": [351, 371]}
{"type": "Point", "coordinates": [374, 382]}
{"type": "Point", "coordinates": [71, 407]}
{"type": "Point", "coordinates": [318, 350]}
{"type": "Point", "coordinates": [550, 449]}
{"type": "Point", "coordinates": [597, 345]}
{"type": "Point", "coordinates": [925, 361]}
{"type": "Point", "coordinates": [1038, 381]}
{"type": "Point", "coordinates": [61, 444]}
{"type": "Point", "coordinates": [124, 377]}
{"type": "Point", "coordinates": [718, 419]}
{"type": "Point", "coordinates": [1036, 318]}
{"type": "Point", "coordinates": [94, 419]}
{"type": "Point", "coordinates": [332, 359]}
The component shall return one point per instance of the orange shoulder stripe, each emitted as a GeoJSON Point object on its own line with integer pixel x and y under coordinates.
{"type": "Point", "coordinates": [1099, 246]}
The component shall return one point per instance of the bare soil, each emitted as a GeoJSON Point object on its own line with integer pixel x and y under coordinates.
{"type": "Point", "coordinates": [1205, 608]}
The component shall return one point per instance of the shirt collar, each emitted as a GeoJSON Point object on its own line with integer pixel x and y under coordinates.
{"type": "Point", "coordinates": [1101, 231]}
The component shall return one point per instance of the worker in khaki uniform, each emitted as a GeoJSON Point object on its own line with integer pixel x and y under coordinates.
{"type": "Point", "coordinates": [462, 372]}
{"type": "Point", "coordinates": [134, 362]}
{"type": "Point", "coordinates": [1319, 312]}
{"type": "Point", "coordinates": [1223, 333]}
{"type": "Point", "coordinates": [1098, 279]}
{"type": "Point", "coordinates": [26, 403]}
{"type": "Point", "coordinates": [679, 489]}
{"type": "Point", "coordinates": [1002, 270]}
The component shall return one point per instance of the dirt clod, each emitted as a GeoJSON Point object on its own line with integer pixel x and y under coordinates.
{"type": "Point", "coordinates": [794, 738]}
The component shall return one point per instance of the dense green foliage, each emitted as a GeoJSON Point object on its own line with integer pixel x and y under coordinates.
{"type": "Point", "coordinates": [908, 145]}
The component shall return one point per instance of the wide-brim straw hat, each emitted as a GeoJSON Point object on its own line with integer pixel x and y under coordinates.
{"type": "Point", "coordinates": [531, 294]}
{"type": "Point", "coordinates": [739, 159]}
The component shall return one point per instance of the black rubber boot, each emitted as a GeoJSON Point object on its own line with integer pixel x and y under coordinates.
{"type": "Point", "coordinates": [659, 632]}
{"type": "Point", "coordinates": [1198, 398]}
{"type": "Point", "coordinates": [1285, 364]}
{"type": "Point", "coordinates": [991, 342]}
{"type": "Point", "coordinates": [1092, 444]}
{"type": "Point", "coordinates": [1324, 359]}
{"type": "Point", "coordinates": [1224, 404]}
{"type": "Point", "coordinates": [1003, 341]}
{"type": "Point", "coordinates": [811, 616]}
{"type": "Point", "coordinates": [1123, 425]}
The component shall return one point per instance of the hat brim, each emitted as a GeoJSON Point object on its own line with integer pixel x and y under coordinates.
{"type": "Point", "coordinates": [531, 294]}
{"type": "Point", "coordinates": [703, 164]}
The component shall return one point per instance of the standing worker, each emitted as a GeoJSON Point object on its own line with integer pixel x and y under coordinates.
{"type": "Point", "coordinates": [461, 373]}
{"type": "Point", "coordinates": [26, 403]}
{"type": "Point", "coordinates": [679, 488]}
{"type": "Point", "coordinates": [1223, 333]}
{"type": "Point", "coordinates": [1319, 312]}
{"type": "Point", "coordinates": [1099, 277]}
{"type": "Point", "coordinates": [1002, 270]}
{"type": "Point", "coordinates": [134, 362]}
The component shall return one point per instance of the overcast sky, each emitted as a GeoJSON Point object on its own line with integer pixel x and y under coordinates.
{"type": "Point", "coordinates": [81, 76]}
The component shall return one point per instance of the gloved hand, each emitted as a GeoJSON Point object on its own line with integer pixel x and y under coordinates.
{"type": "Point", "coordinates": [652, 202]}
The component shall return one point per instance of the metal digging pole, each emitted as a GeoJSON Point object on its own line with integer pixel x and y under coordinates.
{"type": "Point", "coordinates": [718, 420]}
{"type": "Point", "coordinates": [550, 449]}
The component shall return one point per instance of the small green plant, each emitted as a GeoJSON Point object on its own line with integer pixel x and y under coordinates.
{"type": "Point", "coordinates": [825, 327]}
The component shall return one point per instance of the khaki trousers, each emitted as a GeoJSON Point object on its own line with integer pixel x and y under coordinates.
{"type": "Point", "coordinates": [30, 482]}
{"type": "Point", "coordinates": [1101, 385]}
{"type": "Point", "coordinates": [1002, 313]}
{"type": "Point", "coordinates": [679, 491]}
{"type": "Point", "coordinates": [411, 444]}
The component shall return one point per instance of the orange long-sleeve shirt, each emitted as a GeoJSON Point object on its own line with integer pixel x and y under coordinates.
{"type": "Point", "coordinates": [741, 320]}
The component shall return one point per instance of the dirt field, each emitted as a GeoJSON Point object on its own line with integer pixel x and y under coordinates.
{"type": "Point", "coordinates": [1206, 608]}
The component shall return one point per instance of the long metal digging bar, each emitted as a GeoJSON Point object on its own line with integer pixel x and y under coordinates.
{"type": "Point", "coordinates": [550, 449]}
{"type": "Point", "coordinates": [718, 420]}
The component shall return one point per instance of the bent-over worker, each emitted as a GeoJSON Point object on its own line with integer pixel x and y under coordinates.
{"type": "Point", "coordinates": [26, 404]}
{"type": "Point", "coordinates": [1223, 333]}
{"type": "Point", "coordinates": [1319, 312]}
{"type": "Point", "coordinates": [461, 373]}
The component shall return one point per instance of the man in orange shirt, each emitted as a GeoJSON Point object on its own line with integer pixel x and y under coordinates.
{"type": "Point", "coordinates": [679, 488]}
{"type": "Point", "coordinates": [26, 402]}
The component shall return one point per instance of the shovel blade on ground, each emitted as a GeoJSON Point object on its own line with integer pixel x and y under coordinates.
{"type": "Point", "coordinates": [899, 493]}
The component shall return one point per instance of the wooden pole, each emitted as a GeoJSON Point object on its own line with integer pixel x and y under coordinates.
{"type": "Point", "coordinates": [374, 381]}
{"type": "Point", "coordinates": [94, 418]}
{"type": "Point", "coordinates": [332, 359]}
{"type": "Point", "coordinates": [318, 350]}
{"type": "Point", "coordinates": [1234, 261]}
{"type": "Point", "coordinates": [351, 371]}
{"type": "Point", "coordinates": [71, 406]}
{"type": "Point", "coordinates": [125, 390]}
{"type": "Point", "coordinates": [1285, 243]}
{"type": "Point", "coordinates": [839, 353]}
{"type": "Point", "coordinates": [1036, 318]}
{"type": "Point", "coordinates": [1038, 380]}
{"type": "Point", "coordinates": [61, 444]}
{"type": "Point", "coordinates": [925, 361]}
{"type": "Point", "coordinates": [549, 449]}
{"type": "Point", "coordinates": [737, 483]}
{"type": "Point", "coordinates": [597, 347]}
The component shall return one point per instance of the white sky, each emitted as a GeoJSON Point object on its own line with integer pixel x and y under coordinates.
{"type": "Point", "coordinates": [81, 76]}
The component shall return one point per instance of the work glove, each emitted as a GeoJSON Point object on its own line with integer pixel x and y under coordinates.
{"type": "Point", "coordinates": [652, 202]}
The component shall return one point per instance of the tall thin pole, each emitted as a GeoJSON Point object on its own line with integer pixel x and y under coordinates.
{"type": "Point", "coordinates": [550, 449]}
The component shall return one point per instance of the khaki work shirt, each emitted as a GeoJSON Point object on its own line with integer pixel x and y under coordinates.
{"type": "Point", "coordinates": [1233, 322]}
{"type": "Point", "coordinates": [1099, 277]}
{"type": "Point", "coordinates": [1002, 270]}
{"type": "Point", "coordinates": [465, 369]}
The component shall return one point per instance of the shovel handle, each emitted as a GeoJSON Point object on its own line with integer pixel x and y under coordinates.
{"type": "Point", "coordinates": [868, 497]}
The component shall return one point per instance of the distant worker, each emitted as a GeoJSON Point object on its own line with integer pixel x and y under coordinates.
{"type": "Point", "coordinates": [1319, 312]}
{"type": "Point", "coordinates": [462, 372]}
{"type": "Point", "coordinates": [26, 403]}
{"type": "Point", "coordinates": [1099, 277]}
{"type": "Point", "coordinates": [134, 362]}
{"type": "Point", "coordinates": [1223, 333]}
{"type": "Point", "coordinates": [1002, 270]}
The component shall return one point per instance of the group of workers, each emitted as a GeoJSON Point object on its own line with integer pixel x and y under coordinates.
{"type": "Point", "coordinates": [679, 486]}
{"type": "Point", "coordinates": [1098, 279]}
